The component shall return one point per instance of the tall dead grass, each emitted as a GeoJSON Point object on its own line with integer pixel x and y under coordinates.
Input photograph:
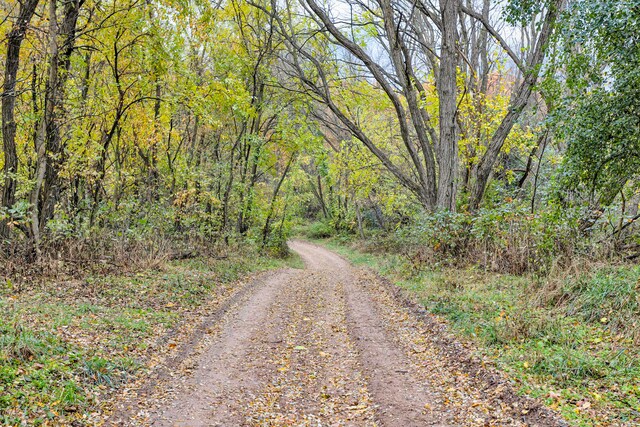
{"type": "Point", "coordinates": [74, 258]}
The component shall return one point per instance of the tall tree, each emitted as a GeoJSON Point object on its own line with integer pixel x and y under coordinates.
{"type": "Point", "coordinates": [12, 64]}
{"type": "Point", "coordinates": [447, 97]}
{"type": "Point", "coordinates": [519, 97]}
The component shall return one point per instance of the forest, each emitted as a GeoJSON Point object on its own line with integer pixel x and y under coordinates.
{"type": "Point", "coordinates": [481, 156]}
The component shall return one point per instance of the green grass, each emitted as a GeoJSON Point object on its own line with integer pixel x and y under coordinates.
{"type": "Point", "coordinates": [577, 344]}
{"type": "Point", "coordinates": [64, 347]}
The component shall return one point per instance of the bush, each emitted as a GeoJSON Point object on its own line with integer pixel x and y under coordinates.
{"type": "Point", "coordinates": [508, 238]}
{"type": "Point", "coordinates": [320, 230]}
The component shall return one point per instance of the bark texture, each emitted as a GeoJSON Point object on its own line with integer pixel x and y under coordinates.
{"type": "Point", "coordinates": [447, 94]}
{"type": "Point", "coordinates": [12, 64]}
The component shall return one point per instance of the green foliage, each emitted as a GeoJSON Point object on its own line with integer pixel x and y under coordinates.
{"type": "Point", "coordinates": [521, 11]}
{"type": "Point", "coordinates": [100, 371]}
{"type": "Point", "coordinates": [610, 296]}
{"type": "Point", "coordinates": [507, 238]}
{"type": "Point", "coordinates": [599, 118]}
{"type": "Point", "coordinates": [319, 230]}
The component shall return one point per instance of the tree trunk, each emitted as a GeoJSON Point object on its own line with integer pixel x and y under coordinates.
{"type": "Point", "coordinates": [321, 197]}
{"type": "Point", "coordinates": [60, 64]}
{"type": "Point", "coordinates": [12, 63]}
{"type": "Point", "coordinates": [267, 222]}
{"type": "Point", "coordinates": [359, 218]}
{"type": "Point", "coordinates": [447, 93]}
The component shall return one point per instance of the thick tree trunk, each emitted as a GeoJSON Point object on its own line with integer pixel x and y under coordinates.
{"type": "Point", "coordinates": [401, 59]}
{"type": "Point", "coordinates": [447, 93]}
{"type": "Point", "coordinates": [44, 129]}
{"type": "Point", "coordinates": [12, 63]}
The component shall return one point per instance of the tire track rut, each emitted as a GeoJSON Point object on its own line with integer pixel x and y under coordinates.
{"type": "Point", "coordinates": [330, 345]}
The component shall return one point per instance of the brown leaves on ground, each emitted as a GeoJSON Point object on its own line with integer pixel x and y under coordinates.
{"type": "Point", "coordinates": [329, 345]}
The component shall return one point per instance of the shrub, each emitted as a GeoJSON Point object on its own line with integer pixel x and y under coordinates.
{"type": "Point", "coordinates": [320, 230]}
{"type": "Point", "coordinates": [508, 238]}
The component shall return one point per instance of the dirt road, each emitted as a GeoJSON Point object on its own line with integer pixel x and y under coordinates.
{"type": "Point", "coordinates": [330, 345]}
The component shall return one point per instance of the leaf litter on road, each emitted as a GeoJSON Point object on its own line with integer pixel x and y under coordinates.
{"type": "Point", "coordinates": [332, 346]}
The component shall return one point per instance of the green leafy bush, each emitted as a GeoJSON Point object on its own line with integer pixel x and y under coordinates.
{"type": "Point", "coordinates": [508, 238]}
{"type": "Point", "coordinates": [320, 230]}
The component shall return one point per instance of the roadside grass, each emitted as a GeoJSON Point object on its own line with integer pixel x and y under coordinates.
{"type": "Point", "coordinates": [65, 347]}
{"type": "Point", "coordinates": [571, 340]}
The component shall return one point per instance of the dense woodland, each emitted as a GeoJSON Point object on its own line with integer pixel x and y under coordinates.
{"type": "Point", "coordinates": [452, 140]}
{"type": "Point", "coordinates": [509, 124]}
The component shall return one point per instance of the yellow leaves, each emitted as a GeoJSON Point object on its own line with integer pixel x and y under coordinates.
{"type": "Point", "coordinates": [358, 408]}
{"type": "Point", "coordinates": [189, 198]}
{"type": "Point", "coordinates": [480, 114]}
{"type": "Point", "coordinates": [524, 139]}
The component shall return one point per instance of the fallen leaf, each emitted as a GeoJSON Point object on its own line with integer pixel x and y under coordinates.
{"type": "Point", "coordinates": [554, 395]}
{"type": "Point", "coordinates": [583, 404]}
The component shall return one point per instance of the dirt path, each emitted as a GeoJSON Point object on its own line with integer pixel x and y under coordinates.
{"type": "Point", "coordinates": [330, 345]}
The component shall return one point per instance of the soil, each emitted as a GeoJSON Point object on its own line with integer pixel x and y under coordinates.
{"type": "Point", "coordinates": [330, 345]}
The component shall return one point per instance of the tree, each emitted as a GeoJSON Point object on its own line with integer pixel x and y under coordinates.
{"type": "Point", "coordinates": [519, 98]}
{"type": "Point", "coordinates": [401, 48]}
{"type": "Point", "coordinates": [12, 64]}
{"type": "Point", "coordinates": [599, 118]}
